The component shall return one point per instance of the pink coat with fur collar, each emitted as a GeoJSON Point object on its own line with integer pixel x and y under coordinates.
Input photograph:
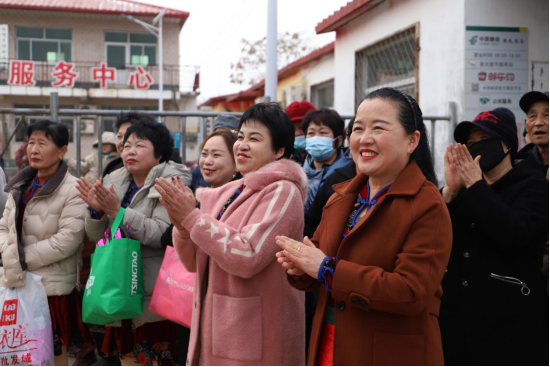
{"type": "Point", "coordinates": [245, 311]}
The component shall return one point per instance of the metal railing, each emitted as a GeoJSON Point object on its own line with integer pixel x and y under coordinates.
{"type": "Point", "coordinates": [55, 112]}
{"type": "Point", "coordinates": [176, 77]}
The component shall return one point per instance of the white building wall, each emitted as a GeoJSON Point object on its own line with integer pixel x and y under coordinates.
{"type": "Point", "coordinates": [441, 54]}
{"type": "Point", "coordinates": [441, 57]}
{"type": "Point", "coordinates": [531, 14]}
{"type": "Point", "coordinates": [442, 48]}
{"type": "Point", "coordinates": [317, 72]}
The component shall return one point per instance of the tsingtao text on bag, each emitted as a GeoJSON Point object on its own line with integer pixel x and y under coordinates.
{"type": "Point", "coordinates": [134, 273]}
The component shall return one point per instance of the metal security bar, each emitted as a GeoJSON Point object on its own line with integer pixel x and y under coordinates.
{"type": "Point", "coordinates": [388, 63]}
{"type": "Point", "coordinates": [183, 115]}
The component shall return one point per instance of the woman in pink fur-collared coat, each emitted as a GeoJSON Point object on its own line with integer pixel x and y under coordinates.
{"type": "Point", "coordinates": [245, 312]}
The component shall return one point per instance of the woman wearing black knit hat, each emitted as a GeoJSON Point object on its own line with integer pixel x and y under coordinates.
{"type": "Point", "coordinates": [494, 309]}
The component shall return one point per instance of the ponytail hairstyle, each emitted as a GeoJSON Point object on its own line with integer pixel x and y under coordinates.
{"type": "Point", "coordinates": [410, 117]}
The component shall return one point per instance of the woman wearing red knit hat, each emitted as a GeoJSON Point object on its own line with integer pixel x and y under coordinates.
{"type": "Point", "coordinates": [296, 112]}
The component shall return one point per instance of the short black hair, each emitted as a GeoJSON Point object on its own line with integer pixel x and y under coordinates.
{"type": "Point", "coordinates": [277, 122]}
{"type": "Point", "coordinates": [524, 132]}
{"type": "Point", "coordinates": [58, 133]}
{"type": "Point", "coordinates": [131, 117]}
{"type": "Point", "coordinates": [156, 133]}
{"type": "Point", "coordinates": [327, 117]}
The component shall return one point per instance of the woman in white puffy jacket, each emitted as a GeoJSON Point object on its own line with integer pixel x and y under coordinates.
{"type": "Point", "coordinates": [42, 229]}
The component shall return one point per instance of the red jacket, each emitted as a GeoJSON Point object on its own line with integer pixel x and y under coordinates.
{"type": "Point", "coordinates": [386, 286]}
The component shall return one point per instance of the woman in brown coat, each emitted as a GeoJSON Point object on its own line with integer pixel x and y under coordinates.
{"type": "Point", "coordinates": [381, 249]}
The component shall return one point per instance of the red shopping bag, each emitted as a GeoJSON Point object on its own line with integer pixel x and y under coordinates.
{"type": "Point", "coordinates": [173, 293]}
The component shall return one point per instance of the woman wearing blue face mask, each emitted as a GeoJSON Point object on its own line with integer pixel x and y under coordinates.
{"type": "Point", "coordinates": [324, 130]}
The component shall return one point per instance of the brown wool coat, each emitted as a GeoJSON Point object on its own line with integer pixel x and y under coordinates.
{"type": "Point", "coordinates": [386, 286]}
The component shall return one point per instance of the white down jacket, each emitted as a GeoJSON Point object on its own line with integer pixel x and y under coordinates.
{"type": "Point", "coordinates": [51, 234]}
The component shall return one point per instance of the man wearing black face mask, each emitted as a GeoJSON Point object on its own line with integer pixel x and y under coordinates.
{"type": "Point", "coordinates": [494, 309]}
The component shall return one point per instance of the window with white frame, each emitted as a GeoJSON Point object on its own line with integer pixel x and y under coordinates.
{"type": "Point", "coordinates": [135, 49]}
{"type": "Point", "coordinates": [388, 63]}
{"type": "Point", "coordinates": [322, 95]}
{"type": "Point", "coordinates": [44, 44]}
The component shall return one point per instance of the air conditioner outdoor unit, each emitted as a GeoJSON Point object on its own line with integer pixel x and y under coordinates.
{"type": "Point", "coordinates": [87, 126]}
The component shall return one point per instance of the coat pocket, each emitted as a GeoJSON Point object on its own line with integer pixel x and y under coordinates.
{"type": "Point", "coordinates": [399, 350]}
{"type": "Point", "coordinates": [237, 330]}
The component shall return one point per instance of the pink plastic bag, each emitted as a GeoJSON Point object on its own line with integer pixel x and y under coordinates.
{"type": "Point", "coordinates": [107, 235]}
{"type": "Point", "coordinates": [173, 293]}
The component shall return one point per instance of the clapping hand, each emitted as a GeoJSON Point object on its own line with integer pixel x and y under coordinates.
{"type": "Point", "coordinates": [87, 193]}
{"type": "Point", "coordinates": [107, 198]}
{"type": "Point", "coordinates": [452, 179]}
{"type": "Point", "coordinates": [299, 258]}
{"type": "Point", "coordinates": [461, 170]}
{"type": "Point", "coordinates": [177, 198]}
{"type": "Point", "coordinates": [467, 168]}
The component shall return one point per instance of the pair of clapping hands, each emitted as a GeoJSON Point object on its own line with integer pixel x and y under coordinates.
{"type": "Point", "coordinates": [461, 170]}
{"type": "Point", "coordinates": [98, 197]}
{"type": "Point", "coordinates": [176, 197]}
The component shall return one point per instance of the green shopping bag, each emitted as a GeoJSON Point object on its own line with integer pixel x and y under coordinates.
{"type": "Point", "coordinates": [114, 290]}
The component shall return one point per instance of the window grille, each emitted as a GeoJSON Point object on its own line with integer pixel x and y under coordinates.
{"type": "Point", "coordinates": [388, 63]}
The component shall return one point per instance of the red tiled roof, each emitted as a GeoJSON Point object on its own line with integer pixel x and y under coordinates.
{"type": "Point", "coordinates": [316, 54]}
{"type": "Point", "coordinates": [95, 7]}
{"type": "Point", "coordinates": [347, 13]}
{"type": "Point", "coordinates": [212, 101]}
{"type": "Point", "coordinates": [246, 95]}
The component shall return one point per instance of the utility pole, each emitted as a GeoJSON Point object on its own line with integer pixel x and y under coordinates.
{"type": "Point", "coordinates": [158, 19]}
{"type": "Point", "coordinates": [157, 31]}
{"type": "Point", "coordinates": [271, 65]}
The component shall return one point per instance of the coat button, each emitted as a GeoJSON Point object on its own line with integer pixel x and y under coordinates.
{"type": "Point", "coordinates": [340, 305]}
{"type": "Point", "coordinates": [466, 254]}
{"type": "Point", "coordinates": [446, 270]}
{"type": "Point", "coordinates": [472, 225]}
{"type": "Point", "coordinates": [464, 282]}
{"type": "Point", "coordinates": [196, 304]}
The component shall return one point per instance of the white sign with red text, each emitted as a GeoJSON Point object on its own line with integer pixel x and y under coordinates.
{"type": "Point", "coordinates": [496, 69]}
